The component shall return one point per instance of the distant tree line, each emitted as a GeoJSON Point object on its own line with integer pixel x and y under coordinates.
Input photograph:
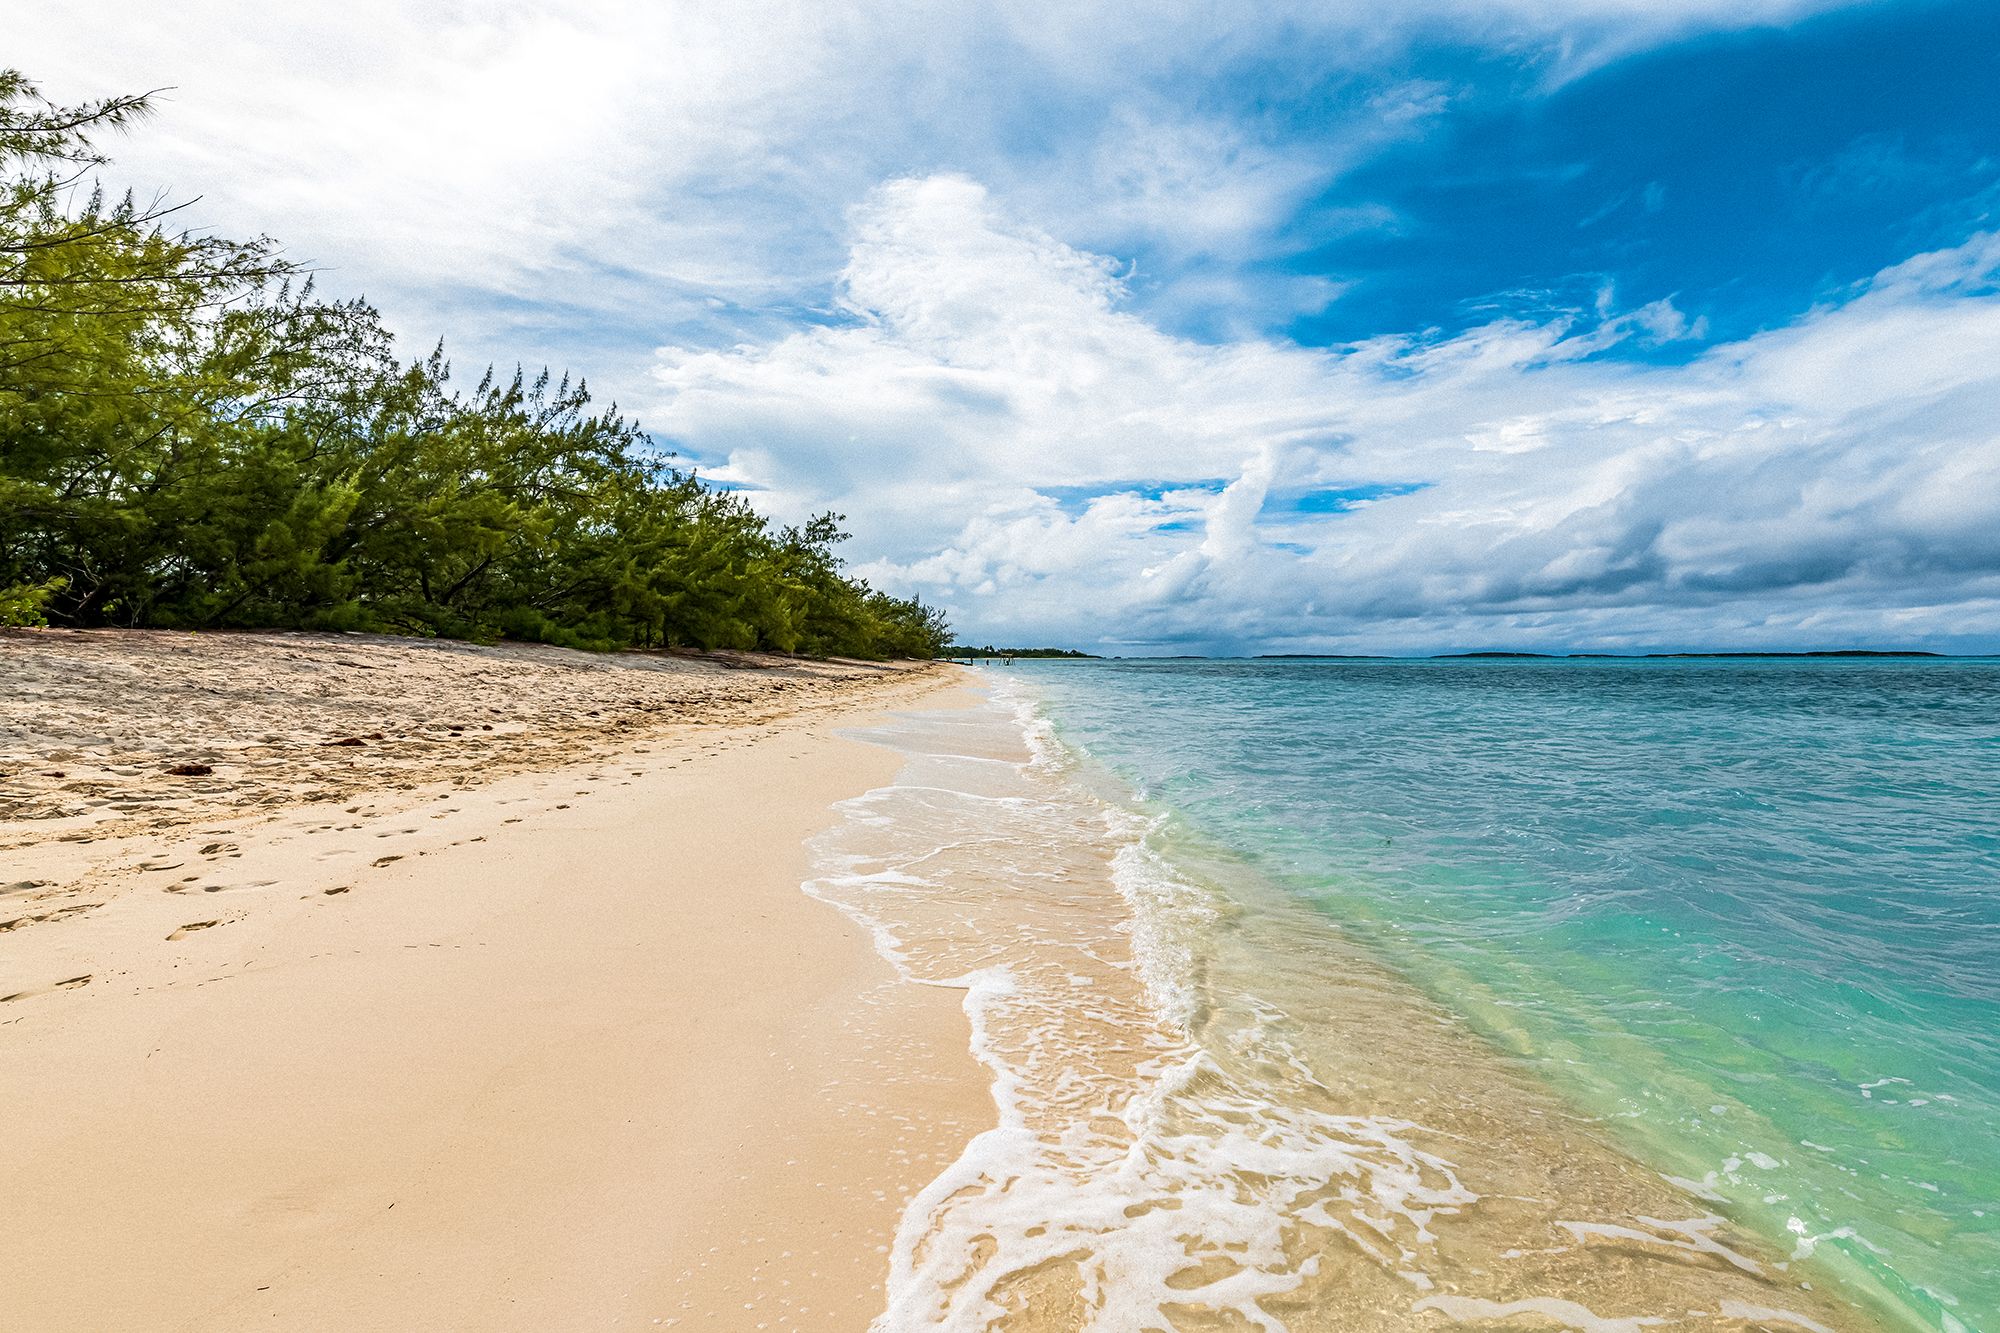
{"type": "Point", "coordinates": [190, 436]}
{"type": "Point", "coordinates": [961, 650]}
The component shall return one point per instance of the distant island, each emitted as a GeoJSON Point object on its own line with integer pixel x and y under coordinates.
{"type": "Point", "coordinates": [1825, 652]}
{"type": "Point", "coordinates": [1560, 657]}
{"type": "Point", "coordinates": [962, 651]}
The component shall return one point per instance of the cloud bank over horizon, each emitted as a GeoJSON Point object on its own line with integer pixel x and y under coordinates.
{"type": "Point", "coordinates": [1451, 324]}
{"type": "Point", "coordinates": [1070, 472]}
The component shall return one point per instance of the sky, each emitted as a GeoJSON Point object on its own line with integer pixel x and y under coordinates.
{"type": "Point", "coordinates": [1402, 326]}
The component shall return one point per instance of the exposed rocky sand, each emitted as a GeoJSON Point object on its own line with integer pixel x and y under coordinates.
{"type": "Point", "coordinates": [111, 731]}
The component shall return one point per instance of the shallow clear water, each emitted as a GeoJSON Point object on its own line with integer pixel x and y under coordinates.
{"type": "Point", "coordinates": [1747, 910]}
{"type": "Point", "coordinates": [1219, 1110]}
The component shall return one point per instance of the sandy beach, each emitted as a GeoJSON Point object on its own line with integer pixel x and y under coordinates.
{"type": "Point", "coordinates": [447, 987]}
{"type": "Point", "coordinates": [323, 1006]}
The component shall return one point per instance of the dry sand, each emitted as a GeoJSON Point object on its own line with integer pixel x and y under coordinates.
{"type": "Point", "coordinates": [94, 723]}
{"type": "Point", "coordinates": [454, 1029]}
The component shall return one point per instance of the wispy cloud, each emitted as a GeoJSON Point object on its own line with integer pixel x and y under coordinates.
{"type": "Point", "coordinates": [1029, 291]}
{"type": "Point", "coordinates": [637, 161]}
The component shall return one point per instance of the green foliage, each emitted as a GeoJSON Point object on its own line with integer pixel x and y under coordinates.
{"type": "Point", "coordinates": [190, 436]}
{"type": "Point", "coordinates": [27, 603]}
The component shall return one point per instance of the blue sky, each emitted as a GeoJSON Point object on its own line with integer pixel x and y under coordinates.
{"type": "Point", "coordinates": [1430, 325]}
{"type": "Point", "coordinates": [1745, 175]}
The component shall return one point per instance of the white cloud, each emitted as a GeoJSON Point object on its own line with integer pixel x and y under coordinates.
{"type": "Point", "coordinates": [425, 143]}
{"type": "Point", "coordinates": [959, 366]}
{"type": "Point", "coordinates": [1835, 479]}
{"type": "Point", "coordinates": [609, 158]}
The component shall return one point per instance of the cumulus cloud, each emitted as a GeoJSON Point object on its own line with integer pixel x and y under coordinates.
{"type": "Point", "coordinates": [891, 250]}
{"type": "Point", "coordinates": [686, 166]}
{"type": "Point", "coordinates": [1050, 465]}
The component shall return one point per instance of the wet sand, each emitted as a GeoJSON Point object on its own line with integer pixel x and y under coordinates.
{"type": "Point", "coordinates": [1219, 1113]}
{"type": "Point", "coordinates": [452, 1029]}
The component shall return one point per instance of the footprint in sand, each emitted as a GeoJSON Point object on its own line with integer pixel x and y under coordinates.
{"type": "Point", "coordinates": [71, 984]}
{"type": "Point", "coordinates": [20, 921]}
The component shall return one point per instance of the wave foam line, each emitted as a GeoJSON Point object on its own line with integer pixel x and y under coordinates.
{"type": "Point", "coordinates": [1130, 1170]}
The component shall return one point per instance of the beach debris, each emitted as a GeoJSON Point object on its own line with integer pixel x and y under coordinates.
{"type": "Point", "coordinates": [190, 770]}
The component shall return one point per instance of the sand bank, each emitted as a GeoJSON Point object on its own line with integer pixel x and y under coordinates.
{"type": "Point", "coordinates": [521, 1029]}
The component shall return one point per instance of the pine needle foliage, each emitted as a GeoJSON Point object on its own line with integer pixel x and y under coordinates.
{"type": "Point", "coordinates": [191, 436]}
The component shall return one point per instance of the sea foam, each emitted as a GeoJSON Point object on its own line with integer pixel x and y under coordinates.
{"type": "Point", "coordinates": [1209, 1115]}
{"type": "Point", "coordinates": [1131, 1173]}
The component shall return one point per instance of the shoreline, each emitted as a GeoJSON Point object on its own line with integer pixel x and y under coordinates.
{"type": "Point", "coordinates": [1217, 1111]}
{"type": "Point", "coordinates": [1668, 1006]}
{"type": "Point", "coordinates": [830, 999]}
{"type": "Point", "coordinates": [496, 1056]}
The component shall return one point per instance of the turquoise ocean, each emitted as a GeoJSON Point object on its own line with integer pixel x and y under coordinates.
{"type": "Point", "coordinates": [1745, 913]}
